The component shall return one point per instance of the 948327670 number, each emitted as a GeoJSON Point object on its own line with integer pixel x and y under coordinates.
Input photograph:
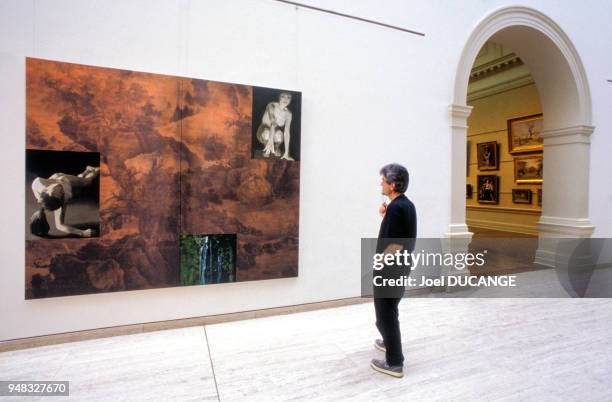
{"type": "Point", "coordinates": [25, 388]}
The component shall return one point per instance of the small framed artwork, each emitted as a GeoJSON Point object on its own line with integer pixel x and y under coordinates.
{"type": "Point", "coordinates": [528, 169]}
{"type": "Point", "coordinates": [468, 191]}
{"type": "Point", "coordinates": [207, 258]}
{"type": "Point", "coordinates": [539, 197]}
{"type": "Point", "coordinates": [524, 134]}
{"type": "Point", "coordinates": [488, 189]}
{"type": "Point", "coordinates": [521, 196]}
{"type": "Point", "coordinates": [51, 192]}
{"type": "Point", "coordinates": [276, 124]}
{"type": "Point", "coordinates": [486, 153]}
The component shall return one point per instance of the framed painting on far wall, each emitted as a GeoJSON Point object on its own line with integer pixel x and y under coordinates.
{"type": "Point", "coordinates": [486, 153]}
{"type": "Point", "coordinates": [528, 169]}
{"type": "Point", "coordinates": [488, 189]}
{"type": "Point", "coordinates": [521, 196]}
{"type": "Point", "coordinates": [524, 134]}
{"type": "Point", "coordinates": [539, 197]}
{"type": "Point", "coordinates": [467, 159]}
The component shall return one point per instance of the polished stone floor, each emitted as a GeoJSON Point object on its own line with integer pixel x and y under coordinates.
{"type": "Point", "coordinates": [456, 350]}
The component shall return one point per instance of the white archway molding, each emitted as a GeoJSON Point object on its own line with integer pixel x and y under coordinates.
{"type": "Point", "coordinates": [513, 17]}
{"type": "Point", "coordinates": [566, 102]}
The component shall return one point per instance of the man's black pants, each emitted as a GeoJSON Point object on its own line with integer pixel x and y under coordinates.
{"type": "Point", "coordinates": [387, 323]}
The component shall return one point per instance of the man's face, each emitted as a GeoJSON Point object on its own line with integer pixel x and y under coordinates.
{"type": "Point", "coordinates": [386, 188]}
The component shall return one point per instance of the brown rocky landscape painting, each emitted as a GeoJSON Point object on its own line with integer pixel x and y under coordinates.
{"type": "Point", "coordinates": [175, 159]}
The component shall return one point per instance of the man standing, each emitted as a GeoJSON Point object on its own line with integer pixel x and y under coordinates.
{"type": "Point", "coordinates": [397, 233]}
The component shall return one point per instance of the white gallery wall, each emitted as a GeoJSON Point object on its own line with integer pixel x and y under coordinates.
{"type": "Point", "coordinates": [371, 95]}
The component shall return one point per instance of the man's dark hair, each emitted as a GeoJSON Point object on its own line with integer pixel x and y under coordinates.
{"type": "Point", "coordinates": [396, 174]}
{"type": "Point", "coordinates": [38, 223]}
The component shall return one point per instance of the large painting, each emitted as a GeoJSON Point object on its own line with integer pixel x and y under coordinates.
{"type": "Point", "coordinates": [128, 172]}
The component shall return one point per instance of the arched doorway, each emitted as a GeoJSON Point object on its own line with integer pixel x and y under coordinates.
{"type": "Point", "coordinates": [566, 103]}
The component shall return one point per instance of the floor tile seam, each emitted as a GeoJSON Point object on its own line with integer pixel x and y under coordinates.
{"type": "Point", "coordinates": [210, 360]}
